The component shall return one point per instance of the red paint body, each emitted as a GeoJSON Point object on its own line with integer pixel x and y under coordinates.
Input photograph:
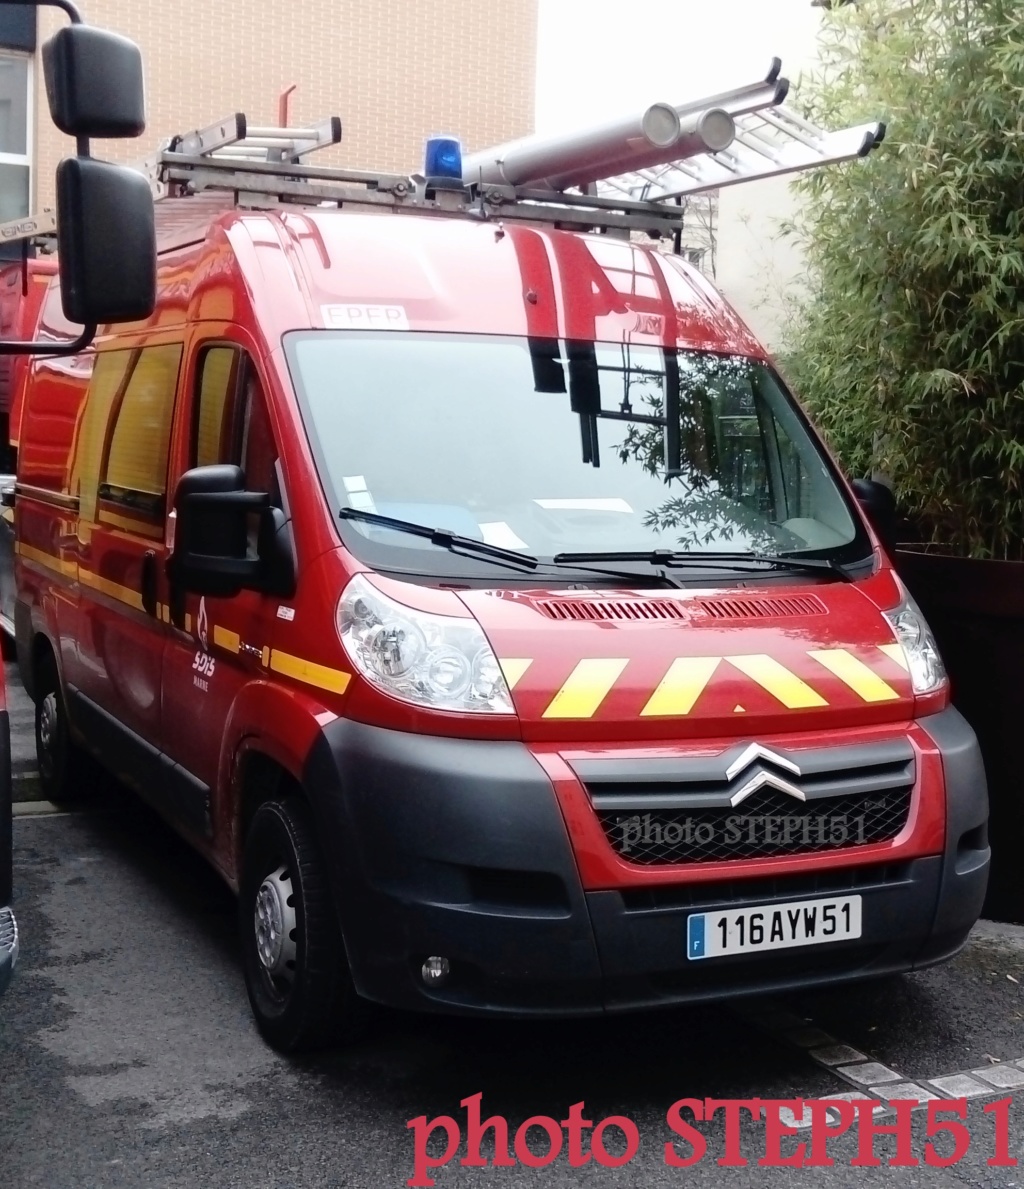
{"type": "Point", "coordinates": [249, 277]}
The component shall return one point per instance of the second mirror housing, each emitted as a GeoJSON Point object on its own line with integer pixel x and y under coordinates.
{"type": "Point", "coordinates": [94, 83]}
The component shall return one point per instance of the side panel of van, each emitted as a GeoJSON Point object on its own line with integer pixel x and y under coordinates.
{"type": "Point", "coordinates": [223, 418]}
{"type": "Point", "coordinates": [119, 471]}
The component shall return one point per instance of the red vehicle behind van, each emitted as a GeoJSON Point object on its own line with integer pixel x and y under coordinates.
{"type": "Point", "coordinates": [477, 599]}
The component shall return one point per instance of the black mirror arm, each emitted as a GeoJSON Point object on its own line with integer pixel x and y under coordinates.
{"type": "Point", "coordinates": [49, 348]}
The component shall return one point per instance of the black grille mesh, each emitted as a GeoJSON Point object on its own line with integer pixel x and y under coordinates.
{"type": "Point", "coordinates": [766, 823]}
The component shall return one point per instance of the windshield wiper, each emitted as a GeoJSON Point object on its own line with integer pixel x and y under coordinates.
{"type": "Point", "coordinates": [731, 561]}
{"type": "Point", "coordinates": [445, 538]}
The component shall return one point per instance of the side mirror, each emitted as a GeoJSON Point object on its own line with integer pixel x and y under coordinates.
{"type": "Point", "coordinates": [94, 82]}
{"type": "Point", "coordinates": [879, 505]}
{"type": "Point", "coordinates": [106, 242]}
{"type": "Point", "coordinates": [211, 536]}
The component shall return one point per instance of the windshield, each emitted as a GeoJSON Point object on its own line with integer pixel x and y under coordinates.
{"type": "Point", "coordinates": [553, 447]}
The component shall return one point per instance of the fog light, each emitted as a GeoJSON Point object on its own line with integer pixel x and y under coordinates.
{"type": "Point", "coordinates": [435, 971]}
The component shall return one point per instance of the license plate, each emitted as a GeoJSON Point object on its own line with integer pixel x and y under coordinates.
{"type": "Point", "coordinates": [772, 927]}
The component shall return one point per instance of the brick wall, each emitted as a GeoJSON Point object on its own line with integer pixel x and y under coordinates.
{"type": "Point", "coordinates": [395, 71]}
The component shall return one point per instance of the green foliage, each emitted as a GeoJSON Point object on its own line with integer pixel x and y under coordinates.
{"type": "Point", "coordinates": [910, 349]}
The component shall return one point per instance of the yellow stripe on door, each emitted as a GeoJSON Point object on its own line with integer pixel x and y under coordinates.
{"type": "Point", "coordinates": [777, 680]}
{"type": "Point", "coordinates": [225, 638]}
{"type": "Point", "coordinates": [861, 679]}
{"type": "Point", "coordinates": [682, 685]}
{"type": "Point", "coordinates": [895, 653]}
{"type": "Point", "coordinates": [308, 671]}
{"type": "Point", "coordinates": [513, 669]}
{"type": "Point", "coordinates": [586, 688]}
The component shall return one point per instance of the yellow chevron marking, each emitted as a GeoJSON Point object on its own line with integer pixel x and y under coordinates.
{"type": "Point", "coordinates": [48, 560]}
{"type": "Point", "coordinates": [895, 653]}
{"type": "Point", "coordinates": [855, 674]}
{"type": "Point", "coordinates": [113, 590]}
{"type": "Point", "coordinates": [309, 672]}
{"type": "Point", "coordinates": [682, 685]}
{"type": "Point", "coordinates": [514, 670]}
{"type": "Point", "coordinates": [777, 680]}
{"type": "Point", "coordinates": [224, 638]}
{"type": "Point", "coordinates": [585, 689]}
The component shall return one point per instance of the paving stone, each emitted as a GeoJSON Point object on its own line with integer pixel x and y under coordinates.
{"type": "Point", "coordinates": [903, 1090]}
{"type": "Point", "coordinates": [838, 1055]}
{"type": "Point", "coordinates": [960, 1085]}
{"type": "Point", "coordinates": [1005, 1077]}
{"type": "Point", "coordinates": [872, 1073]}
{"type": "Point", "coordinates": [788, 1118]}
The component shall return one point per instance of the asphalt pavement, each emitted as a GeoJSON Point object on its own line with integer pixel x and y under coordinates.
{"type": "Point", "coordinates": [128, 1057]}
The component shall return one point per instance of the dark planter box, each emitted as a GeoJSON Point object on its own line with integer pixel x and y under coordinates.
{"type": "Point", "coordinates": [976, 609]}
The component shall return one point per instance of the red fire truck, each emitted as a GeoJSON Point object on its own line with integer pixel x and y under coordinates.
{"type": "Point", "coordinates": [454, 570]}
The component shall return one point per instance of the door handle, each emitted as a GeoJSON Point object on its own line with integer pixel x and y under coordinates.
{"type": "Point", "coordinates": [149, 578]}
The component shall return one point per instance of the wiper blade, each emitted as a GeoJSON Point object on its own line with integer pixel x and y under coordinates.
{"type": "Point", "coordinates": [633, 577]}
{"type": "Point", "coordinates": [731, 561]}
{"type": "Point", "coordinates": [444, 537]}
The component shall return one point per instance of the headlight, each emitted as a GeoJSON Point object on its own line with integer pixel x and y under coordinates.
{"type": "Point", "coordinates": [927, 672]}
{"type": "Point", "coordinates": [433, 660]}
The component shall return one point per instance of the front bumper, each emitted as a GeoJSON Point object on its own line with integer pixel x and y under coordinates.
{"type": "Point", "coordinates": [458, 848]}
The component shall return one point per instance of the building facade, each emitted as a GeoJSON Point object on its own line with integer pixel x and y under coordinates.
{"type": "Point", "coordinates": [395, 71]}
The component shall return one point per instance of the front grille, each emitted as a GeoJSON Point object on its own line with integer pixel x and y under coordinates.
{"type": "Point", "coordinates": [752, 802]}
{"type": "Point", "coordinates": [768, 823]}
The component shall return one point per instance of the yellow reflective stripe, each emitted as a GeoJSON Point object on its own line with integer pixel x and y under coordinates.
{"type": "Point", "coordinates": [777, 680]}
{"type": "Point", "coordinates": [309, 672]}
{"type": "Point", "coordinates": [682, 685]}
{"type": "Point", "coordinates": [266, 657]}
{"type": "Point", "coordinates": [855, 674]}
{"type": "Point", "coordinates": [224, 638]}
{"type": "Point", "coordinates": [514, 670]}
{"type": "Point", "coordinates": [49, 560]}
{"type": "Point", "coordinates": [113, 590]}
{"type": "Point", "coordinates": [895, 653]}
{"type": "Point", "coordinates": [586, 688]}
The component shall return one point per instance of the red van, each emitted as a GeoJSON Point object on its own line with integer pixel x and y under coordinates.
{"type": "Point", "coordinates": [473, 594]}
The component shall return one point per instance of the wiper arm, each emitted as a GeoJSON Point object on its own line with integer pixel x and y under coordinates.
{"type": "Point", "coordinates": [445, 538]}
{"type": "Point", "coordinates": [730, 561]}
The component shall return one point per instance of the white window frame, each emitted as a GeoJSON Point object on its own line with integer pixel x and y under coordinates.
{"type": "Point", "coordinates": [30, 124]}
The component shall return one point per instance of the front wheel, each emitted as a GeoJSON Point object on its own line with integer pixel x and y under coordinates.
{"type": "Point", "coordinates": [296, 973]}
{"type": "Point", "coordinates": [66, 772]}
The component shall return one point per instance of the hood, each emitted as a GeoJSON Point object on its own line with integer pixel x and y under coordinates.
{"type": "Point", "coordinates": [660, 665]}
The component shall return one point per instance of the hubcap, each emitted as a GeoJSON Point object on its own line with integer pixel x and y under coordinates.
{"type": "Point", "coordinates": [275, 924]}
{"type": "Point", "coordinates": [48, 723]}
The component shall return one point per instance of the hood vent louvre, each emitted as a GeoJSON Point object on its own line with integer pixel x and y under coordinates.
{"type": "Point", "coordinates": [761, 608]}
{"type": "Point", "coordinates": [623, 610]}
{"type": "Point", "coordinates": [647, 610]}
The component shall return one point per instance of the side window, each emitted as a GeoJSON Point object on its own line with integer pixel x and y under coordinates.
{"type": "Point", "coordinates": [105, 386]}
{"type": "Point", "coordinates": [135, 475]}
{"type": "Point", "coordinates": [230, 421]}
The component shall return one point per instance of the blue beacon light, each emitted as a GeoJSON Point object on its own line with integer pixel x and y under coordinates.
{"type": "Point", "coordinates": [443, 158]}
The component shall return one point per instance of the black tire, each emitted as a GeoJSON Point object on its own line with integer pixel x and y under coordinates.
{"type": "Point", "coordinates": [300, 991]}
{"type": "Point", "coordinates": [8, 647]}
{"type": "Point", "coordinates": [66, 772]}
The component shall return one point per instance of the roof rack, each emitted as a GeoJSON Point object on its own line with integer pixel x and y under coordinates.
{"type": "Point", "coordinates": [629, 175]}
{"type": "Point", "coordinates": [41, 226]}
